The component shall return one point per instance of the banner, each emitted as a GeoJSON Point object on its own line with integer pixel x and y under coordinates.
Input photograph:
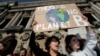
{"type": "Point", "coordinates": [53, 17]}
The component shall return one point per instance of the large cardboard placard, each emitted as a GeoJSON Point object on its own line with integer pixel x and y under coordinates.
{"type": "Point", "coordinates": [53, 17]}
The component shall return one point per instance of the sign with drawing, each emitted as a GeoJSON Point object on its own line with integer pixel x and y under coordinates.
{"type": "Point", "coordinates": [53, 17]}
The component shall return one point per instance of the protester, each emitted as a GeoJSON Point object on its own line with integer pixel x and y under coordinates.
{"type": "Point", "coordinates": [73, 45]}
{"type": "Point", "coordinates": [23, 52]}
{"type": "Point", "coordinates": [51, 45]}
{"type": "Point", "coordinates": [3, 49]}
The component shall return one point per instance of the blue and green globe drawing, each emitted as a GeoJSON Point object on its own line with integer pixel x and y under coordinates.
{"type": "Point", "coordinates": [57, 16]}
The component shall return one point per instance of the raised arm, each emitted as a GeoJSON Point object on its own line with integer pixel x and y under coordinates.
{"type": "Point", "coordinates": [91, 38]}
{"type": "Point", "coordinates": [33, 45]}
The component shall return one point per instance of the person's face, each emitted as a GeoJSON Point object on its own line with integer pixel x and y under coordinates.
{"type": "Point", "coordinates": [9, 55]}
{"type": "Point", "coordinates": [74, 43]}
{"type": "Point", "coordinates": [22, 53]}
{"type": "Point", "coordinates": [54, 45]}
{"type": "Point", "coordinates": [1, 47]}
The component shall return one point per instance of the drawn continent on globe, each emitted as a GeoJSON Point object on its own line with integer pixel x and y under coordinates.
{"type": "Point", "coordinates": [57, 16]}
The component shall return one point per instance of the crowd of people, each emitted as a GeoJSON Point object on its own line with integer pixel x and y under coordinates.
{"type": "Point", "coordinates": [73, 46]}
{"type": "Point", "coordinates": [8, 45]}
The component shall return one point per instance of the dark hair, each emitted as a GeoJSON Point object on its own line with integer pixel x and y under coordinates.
{"type": "Point", "coordinates": [67, 42]}
{"type": "Point", "coordinates": [49, 40]}
{"type": "Point", "coordinates": [3, 43]}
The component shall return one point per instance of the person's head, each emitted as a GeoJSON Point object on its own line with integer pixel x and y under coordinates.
{"type": "Point", "coordinates": [9, 55]}
{"type": "Point", "coordinates": [52, 43]}
{"type": "Point", "coordinates": [23, 52]}
{"type": "Point", "coordinates": [72, 43]}
{"type": "Point", "coordinates": [2, 46]}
